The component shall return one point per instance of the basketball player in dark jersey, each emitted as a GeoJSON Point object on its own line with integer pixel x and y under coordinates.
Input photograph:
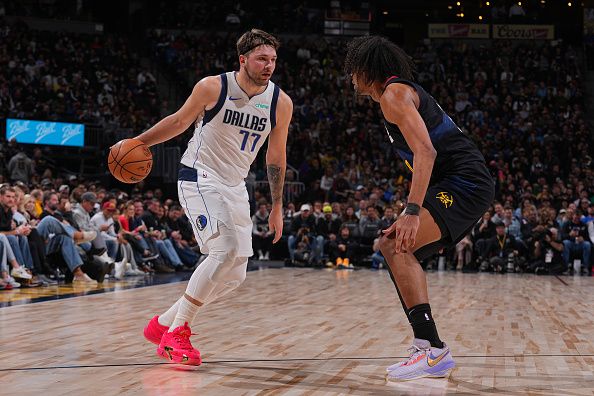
{"type": "Point", "coordinates": [451, 189]}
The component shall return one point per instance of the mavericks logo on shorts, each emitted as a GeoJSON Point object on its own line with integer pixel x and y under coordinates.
{"type": "Point", "coordinates": [446, 199]}
{"type": "Point", "coordinates": [201, 222]}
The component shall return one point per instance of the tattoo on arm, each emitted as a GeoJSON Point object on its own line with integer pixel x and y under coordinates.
{"type": "Point", "coordinates": [276, 179]}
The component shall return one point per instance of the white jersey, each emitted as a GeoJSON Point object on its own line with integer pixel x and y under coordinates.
{"type": "Point", "coordinates": [227, 139]}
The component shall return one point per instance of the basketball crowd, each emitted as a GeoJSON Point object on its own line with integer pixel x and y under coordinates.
{"type": "Point", "coordinates": [522, 104]}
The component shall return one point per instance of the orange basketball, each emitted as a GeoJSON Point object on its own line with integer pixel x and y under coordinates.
{"type": "Point", "coordinates": [130, 160]}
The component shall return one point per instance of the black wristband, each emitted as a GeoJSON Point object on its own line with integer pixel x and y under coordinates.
{"type": "Point", "coordinates": [412, 209]}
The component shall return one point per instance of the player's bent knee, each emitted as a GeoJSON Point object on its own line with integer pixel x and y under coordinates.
{"type": "Point", "coordinates": [229, 268]}
{"type": "Point", "coordinates": [387, 245]}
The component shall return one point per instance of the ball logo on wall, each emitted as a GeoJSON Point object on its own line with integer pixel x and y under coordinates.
{"type": "Point", "coordinates": [45, 132]}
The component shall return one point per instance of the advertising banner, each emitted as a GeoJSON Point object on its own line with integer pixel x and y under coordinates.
{"type": "Point", "coordinates": [524, 32]}
{"type": "Point", "coordinates": [458, 30]}
{"type": "Point", "coordinates": [45, 132]}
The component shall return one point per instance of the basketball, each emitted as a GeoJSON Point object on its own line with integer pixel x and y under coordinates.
{"type": "Point", "coordinates": [130, 160]}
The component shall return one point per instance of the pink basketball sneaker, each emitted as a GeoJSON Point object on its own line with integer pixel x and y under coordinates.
{"type": "Point", "coordinates": [176, 347]}
{"type": "Point", "coordinates": [154, 330]}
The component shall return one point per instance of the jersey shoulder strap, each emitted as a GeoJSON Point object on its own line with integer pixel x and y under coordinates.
{"type": "Point", "coordinates": [273, 104]}
{"type": "Point", "coordinates": [210, 114]}
{"type": "Point", "coordinates": [397, 79]}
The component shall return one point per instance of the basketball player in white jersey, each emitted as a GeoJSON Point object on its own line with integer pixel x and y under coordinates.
{"type": "Point", "coordinates": [234, 113]}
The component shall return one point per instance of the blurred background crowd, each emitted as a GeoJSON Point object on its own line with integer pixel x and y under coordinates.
{"type": "Point", "coordinates": [523, 103]}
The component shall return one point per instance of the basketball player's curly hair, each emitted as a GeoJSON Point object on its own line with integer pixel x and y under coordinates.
{"type": "Point", "coordinates": [375, 58]}
{"type": "Point", "coordinates": [254, 38]}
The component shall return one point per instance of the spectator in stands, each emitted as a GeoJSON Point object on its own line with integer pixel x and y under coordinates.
{"type": "Point", "coordinates": [131, 231]}
{"type": "Point", "coordinates": [548, 254]}
{"type": "Point", "coordinates": [16, 235]}
{"type": "Point", "coordinates": [182, 236]}
{"type": "Point", "coordinates": [576, 242]}
{"type": "Point", "coordinates": [103, 223]}
{"type": "Point", "coordinates": [587, 210]}
{"type": "Point", "coordinates": [261, 235]}
{"type": "Point", "coordinates": [483, 231]}
{"type": "Point", "coordinates": [531, 226]}
{"type": "Point", "coordinates": [498, 212]}
{"type": "Point", "coordinates": [141, 233]}
{"type": "Point", "coordinates": [158, 236]}
{"type": "Point", "coordinates": [21, 168]}
{"type": "Point", "coordinates": [565, 216]}
{"type": "Point", "coordinates": [327, 226]}
{"type": "Point", "coordinates": [29, 208]}
{"type": "Point", "coordinates": [303, 230]}
{"type": "Point", "coordinates": [369, 228]}
{"type": "Point", "coordinates": [16, 270]}
{"type": "Point", "coordinates": [317, 210]}
{"type": "Point", "coordinates": [132, 268]}
{"type": "Point", "coordinates": [361, 213]}
{"type": "Point", "coordinates": [36, 243]}
{"type": "Point", "coordinates": [342, 249]}
{"type": "Point", "coordinates": [377, 258]}
{"type": "Point", "coordinates": [350, 220]}
{"type": "Point", "coordinates": [501, 251]}
{"type": "Point", "coordinates": [388, 218]}
{"type": "Point", "coordinates": [60, 239]}
{"type": "Point", "coordinates": [513, 225]}
{"type": "Point", "coordinates": [82, 217]}
{"type": "Point", "coordinates": [327, 182]}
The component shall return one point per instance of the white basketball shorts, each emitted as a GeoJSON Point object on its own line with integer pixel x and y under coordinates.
{"type": "Point", "coordinates": [206, 201]}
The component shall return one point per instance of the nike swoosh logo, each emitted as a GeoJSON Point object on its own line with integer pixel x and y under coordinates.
{"type": "Point", "coordinates": [232, 98]}
{"type": "Point", "coordinates": [433, 362]}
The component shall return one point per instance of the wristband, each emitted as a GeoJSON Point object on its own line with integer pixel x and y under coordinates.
{"type": "Point", "coordinates": [412, 209]}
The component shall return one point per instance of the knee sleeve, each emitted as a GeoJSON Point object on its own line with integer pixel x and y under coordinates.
{"type": "Point", "coordinates": [234, 278]}
{"type": "Point", "coordinates": [238, 273]}
{"type": "Point", "coordinates": [222, 269]}
{"type": "Point", "coordinates": [223, 250]}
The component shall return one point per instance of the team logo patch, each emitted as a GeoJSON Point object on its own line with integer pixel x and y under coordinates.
{"type": "Point", "coordinates": [445, 198]}
{"type": "Point", "coordinates": [201, 222]}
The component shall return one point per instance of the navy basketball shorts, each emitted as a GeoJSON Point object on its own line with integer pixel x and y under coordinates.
{"type": "Point", "coordinates": [456, 202]}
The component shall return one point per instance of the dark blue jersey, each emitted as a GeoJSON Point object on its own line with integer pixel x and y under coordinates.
{"type": "Point", "coordinates": [456, 153]}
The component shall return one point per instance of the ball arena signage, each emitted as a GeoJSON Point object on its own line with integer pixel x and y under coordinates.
{"type": "Point", "coordinates": [524, 32]}
{"type": "Point", "coordinates": [45, 132]}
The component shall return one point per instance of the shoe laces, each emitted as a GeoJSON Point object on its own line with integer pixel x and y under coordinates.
{"type": "Point", "coordinates": [413, 352]}
{"type": "Point", "coordinates": [182, 335]}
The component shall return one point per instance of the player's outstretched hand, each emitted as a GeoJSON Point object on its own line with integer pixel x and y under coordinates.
{"type": "Point", "coordinates": [275, 223]}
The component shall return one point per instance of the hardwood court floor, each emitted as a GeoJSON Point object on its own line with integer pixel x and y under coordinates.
{"type": "Point", "coordinates": [302, 331]}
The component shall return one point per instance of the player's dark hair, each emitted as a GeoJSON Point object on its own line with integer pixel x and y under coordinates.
{"type": "Point", "coordinates": [375, 58]}
{"type": "Point", "coordinates": [254, 38]}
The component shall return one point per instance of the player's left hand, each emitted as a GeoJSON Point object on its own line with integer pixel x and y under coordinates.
{"type": "Point", "coordinates": [406, 233]}
{"type": "Point", "coordinates": [275, 223]}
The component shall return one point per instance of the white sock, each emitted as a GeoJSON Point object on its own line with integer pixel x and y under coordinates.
{"type": "Point", "coordinates": [185, 313]}
{"type": "Point", "coordinates": [169, 316]}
